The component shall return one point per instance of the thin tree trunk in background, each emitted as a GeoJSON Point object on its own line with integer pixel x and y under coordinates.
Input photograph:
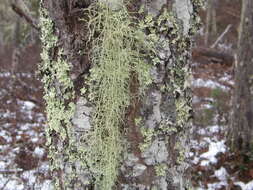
{"type": "Point", "coordinates": [214, 23]}
{"type": "Point", "coordinates": [158, 121]}
{"type": "Point", "coordinates": [241, 131]}
{"type": "Point", "coordinates": [1, 41]}
{"type": "Point", "coordinates": [208, 21]}
{"type": "Point", "coordinates": [16, 45]}
{"type": "Point", "coordinates": [211, 26]}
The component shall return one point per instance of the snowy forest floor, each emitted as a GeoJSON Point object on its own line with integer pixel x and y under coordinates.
{"type": "Point", "coordinates": [215, 166]}
{"type": "Point", "coordinates": [23, 154]}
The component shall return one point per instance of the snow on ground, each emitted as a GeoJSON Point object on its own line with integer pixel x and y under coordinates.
{"type": "Point", "coordinates": [23, 162]}
{"type": "Point", "coordinates": [26, 105]}
{"type": "Point", "coordinates": [247, 186]}
{"type": "Point", "coordinates": [11, 184]}
{"type": "Point", "coordinates": [208, 84]}
{"type": "Point", "coordinates": [39, 152]}
{"type": "Point", "coordinates": [210, 130]}
{"type": "Point", "coordinates": [222, 175]}
{"type": "Point", "coordinates": [227, 78]}
{"type": "Point", "coordinates": [214, 149]}
{"type": "Point", "coordinates": [5, 74]}
{"type": "Point", "coordinates": [209, 144]}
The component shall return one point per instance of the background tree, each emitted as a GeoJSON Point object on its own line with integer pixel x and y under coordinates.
{"type": "Point", "coordinates": [211, 26]}
{"type": "Point", "coordinates": [16, 32]}
{"type": "Point", "coordinates": [117, 92]}
{"type": "Point", "coordinates": [241, 122]}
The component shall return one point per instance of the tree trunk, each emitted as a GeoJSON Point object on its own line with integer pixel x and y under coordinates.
{"type": "Point", "coordinates": [211, 26]}
{"type": "Point", "coordinates": [241, 131]}
{"type": "Point", "coordinates": [16, 45]}
{"type": "Point", "coordinates": [116, 79]}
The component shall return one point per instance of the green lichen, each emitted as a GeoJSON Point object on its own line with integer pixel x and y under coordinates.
{"type": "Point", "coordinates": [167, 127]}
{"type": "Point", "coordinates": [183, 109]}
{"type": "Point", "coordinates": [148, 135]}
{"type": "Point", "coordinates": [138, 121]}
{"type": "Point", "coordinates": [161, 170]}
{"type": "Point", "coordinates": [181, 79]}
{"type": "Point", "coordinates": [195, 20]}
{"type": "Point", "coordinates": [118, 53]}
{"type": "Point", "coordinates": [58, 89]}
{"type": "Point", "coordinates": [169, 25]}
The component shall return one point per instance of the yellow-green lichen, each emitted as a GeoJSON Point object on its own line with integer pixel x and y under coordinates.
{"type": "Point", "coordinates": [148, 135]}
{"type": "Point", "coordinates": [161, 170]}
{"type": "Point", "coordinates": [183, 110]}
{"type": "Point", "coordinates": [118, 51]}
{"type": "Point", "coordinates": [58, 90]}
{"type": "Point", "coordinates": [138, 121]}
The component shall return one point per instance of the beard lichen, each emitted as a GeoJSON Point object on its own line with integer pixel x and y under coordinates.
{"type": "Point", "coordinates": [119, 47]}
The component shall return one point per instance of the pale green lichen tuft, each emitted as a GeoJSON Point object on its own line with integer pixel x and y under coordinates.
{"type": "Point", "coordinates": [148, 135]}
{"type": "Point", "coordinates": [118, 53]}
{"type": "Point", "coordinates": [161, 170]}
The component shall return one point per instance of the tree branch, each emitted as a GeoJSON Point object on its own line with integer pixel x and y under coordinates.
{"type": "Point", "coordinates": [221, 36]}
{"type": "Point", "coordinates": [10, 171]}
{"type": "Point", "coordinates": [33, 22]}
{"type": "Point", "coordinates": [201, 53]}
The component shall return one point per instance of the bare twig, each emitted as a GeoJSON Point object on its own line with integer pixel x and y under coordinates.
{"type": "Point", "coordinates": [221, 36]}
{"type": "Point", "coordinates": [10, 171]}
{"type": "Point", "coordinates": [32, 21]}
{"type": "Point", "coordinates": [7, 181]}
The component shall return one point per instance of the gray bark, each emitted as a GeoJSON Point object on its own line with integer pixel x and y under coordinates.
{"type": "Point", "coordinates": [164, 109]}
{"type": "Point", "coordinates": [241, 127]}
{"type": "Point", "coordinates": [211, 27]}
{"type": "Point", "coordinates": [16, 44]}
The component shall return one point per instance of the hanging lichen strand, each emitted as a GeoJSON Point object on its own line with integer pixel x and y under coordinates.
{"type": "Point", "coordinates": [117, 44]}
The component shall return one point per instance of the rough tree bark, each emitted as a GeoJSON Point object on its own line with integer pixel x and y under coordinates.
{"type": "Point", "coordinates": [146, 133]}
{"type": "Point", "coordinates": [241, 127]}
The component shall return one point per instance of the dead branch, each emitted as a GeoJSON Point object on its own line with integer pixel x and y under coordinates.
{"type": "Point", "coordinates": [215, 56]}
{"type": "Point", "coordinates": [32, 21]}
{"type": "Point", "coordinates": [10, 171]}
{"type": "Point", "coordinates": [7, 181]}
{"type": "Point", "coordinates": [221, 36]}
